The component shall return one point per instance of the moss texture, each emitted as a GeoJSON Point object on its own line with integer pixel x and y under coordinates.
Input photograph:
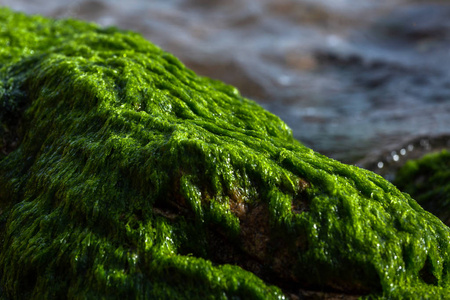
{"type": "Point", "coordinates": [133, 177]}
{"type": "Point", "coordinates": [428, 181]}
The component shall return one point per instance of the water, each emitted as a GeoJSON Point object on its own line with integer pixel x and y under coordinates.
{"type": "Point", "coordinates": [353, 79]}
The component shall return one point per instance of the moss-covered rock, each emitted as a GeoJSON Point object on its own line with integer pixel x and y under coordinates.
{"type": "Point", "coordinates": [428, 180]}
{"type": "Point", "coordinates": [133, 177]}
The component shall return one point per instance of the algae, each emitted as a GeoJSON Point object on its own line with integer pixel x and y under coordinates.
{"type": "Point", "coordinates": [428, 180]}
{"type": "Point", "coordinates": [134, 177]}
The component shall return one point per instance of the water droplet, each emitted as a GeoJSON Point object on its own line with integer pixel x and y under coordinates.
{"type": "Point", "coordinates": [403, 151]}
{"type": "Point", "coordinates": [380, 165]}
{"type": "Point", "coordinates": [395, 157]}
{"type": "Point", "coordinates": [410, 147]}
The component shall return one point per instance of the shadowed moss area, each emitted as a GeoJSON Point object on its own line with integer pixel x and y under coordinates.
{"type": "Point", "coordinates": [133, 177]}
{"type": "Point", "coordinates": [428, 181]}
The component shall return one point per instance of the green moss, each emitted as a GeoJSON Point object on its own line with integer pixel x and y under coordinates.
{"type": "Point", "coordinates": [428, 181]}
{"type": "Point", "coordinates": [137, 178]}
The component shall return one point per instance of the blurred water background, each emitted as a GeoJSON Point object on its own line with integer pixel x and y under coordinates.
{"type": "Point", "coordinates": [366, 82]}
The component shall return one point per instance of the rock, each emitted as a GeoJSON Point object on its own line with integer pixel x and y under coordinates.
{"type": "Point", "coordinates": [428, 180]}
{"type": "Point", "coordinates": [134, 177]}
{"type": "Point", "coordinates": [388, 161]}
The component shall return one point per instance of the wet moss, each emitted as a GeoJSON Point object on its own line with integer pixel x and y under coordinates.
{"type": "Point", "coordinates": [428, 180]}
{"type": "Point", "coordinates": [134, 177]}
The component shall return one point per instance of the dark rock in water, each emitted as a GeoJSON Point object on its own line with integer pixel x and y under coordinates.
{"type": "Point", "coordinates": [387, 162]}
{"type": "Point", "coordinates": [134, 177]}
{"type": "Point", "coordinates": [428, 180]}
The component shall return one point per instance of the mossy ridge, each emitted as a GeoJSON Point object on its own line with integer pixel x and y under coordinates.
{"type": "Point", "coordinates": [132, 171]}
{"type": "Point", "coordinates": [428, 180]}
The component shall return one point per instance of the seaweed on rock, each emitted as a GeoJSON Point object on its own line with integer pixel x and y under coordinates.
{"type": "Point", "coordinates": [428, 180]}
{"type": "Point", "coordinates": [135, 177]}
